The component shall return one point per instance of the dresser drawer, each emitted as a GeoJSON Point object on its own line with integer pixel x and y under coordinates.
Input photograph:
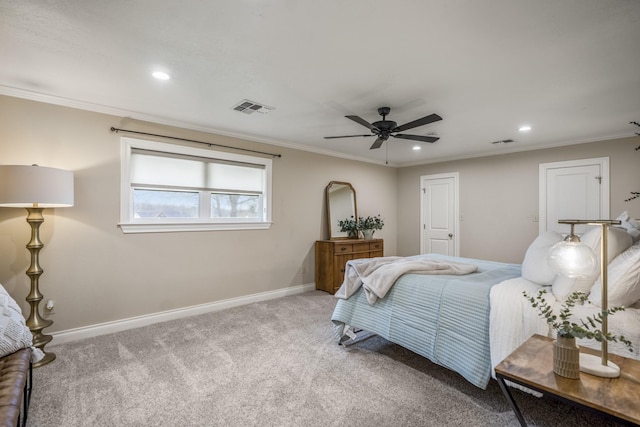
{"type": "Point", "coordinates": [375, 246]}
{"type": "Point", "coordinates": [361, 247]}
{"type": "Point", "coordinates": [343, 248]}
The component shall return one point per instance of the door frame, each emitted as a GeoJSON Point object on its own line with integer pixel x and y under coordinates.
{"type": "Point", "coordinates": [542, 186]}
{"type": "Point", "coordinates": [456, 208]}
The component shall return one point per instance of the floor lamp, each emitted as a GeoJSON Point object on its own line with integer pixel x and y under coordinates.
{"type": "Point", "coordinates": [36, 188]}
{"type": "Point", "coordinates": [574, 259]}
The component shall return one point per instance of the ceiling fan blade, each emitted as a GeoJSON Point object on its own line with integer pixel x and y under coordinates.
{"type": "Point", "coordinates": [417, 137]}
{"type": "Point", "coordinates": [345, 136]}
{"type": "Point", "coordinates": [362, 121]}
{"type": "Point", "coordinates": [377, 144]}
{"type": "Point", "coordinates": [420, 122]}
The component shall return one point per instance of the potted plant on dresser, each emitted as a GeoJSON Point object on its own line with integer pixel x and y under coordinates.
{"type": "Point", "coordinates": [369, 225]}
{"type": "Point", "coordinates": [349, 226]}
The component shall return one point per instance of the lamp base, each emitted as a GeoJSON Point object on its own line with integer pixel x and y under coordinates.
{"type": "Point", "coordinates": [48, 358]}
{"type": "Point", "coordinates": [591, 364]}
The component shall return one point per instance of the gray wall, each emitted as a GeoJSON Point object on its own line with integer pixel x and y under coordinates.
{"type": "Point", "coordinates": [97, 274]}
{"type": "Point", "coordinates": [499, 196]}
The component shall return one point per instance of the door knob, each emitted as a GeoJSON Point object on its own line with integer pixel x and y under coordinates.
{"type": "Point", "coordinates": [450, 235]}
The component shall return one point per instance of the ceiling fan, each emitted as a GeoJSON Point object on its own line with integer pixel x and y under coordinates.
{"type": "Point", "coordinates": [384, 128]}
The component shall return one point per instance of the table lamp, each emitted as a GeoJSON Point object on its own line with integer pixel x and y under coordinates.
{"type": "Point", "coordinates": [36, 188]}
{"type": "Point", "coordinates": [575, 259]}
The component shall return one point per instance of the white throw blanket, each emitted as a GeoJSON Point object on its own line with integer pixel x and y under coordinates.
{"type": "Point", "coordinates": [377, 275]}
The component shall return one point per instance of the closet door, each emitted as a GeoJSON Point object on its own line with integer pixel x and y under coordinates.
{"type": "Point", "coordinates": [573, 190]}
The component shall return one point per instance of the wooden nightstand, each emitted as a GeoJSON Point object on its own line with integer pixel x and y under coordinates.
{"type": "Point", "coordinates": [531, 365]}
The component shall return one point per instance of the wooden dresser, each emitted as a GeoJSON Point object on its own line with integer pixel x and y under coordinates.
{"type": "Point", "coordinates": [332, 255]}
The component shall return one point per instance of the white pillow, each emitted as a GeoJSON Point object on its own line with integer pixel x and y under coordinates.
{"type": "Point", "coordinates": [535, 267]}
{"type": "Point", "coordinates": [14, 334]}
{"type": "Point", "coordinates": [631, 225]}
{"type": "Point", "coordinates": [623, 280]}
{"type": "Point", "coordinates": [618, 241]}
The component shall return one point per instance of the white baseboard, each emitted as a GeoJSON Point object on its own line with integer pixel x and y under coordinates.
{"type": "Point", "coordinates": [75, 334]}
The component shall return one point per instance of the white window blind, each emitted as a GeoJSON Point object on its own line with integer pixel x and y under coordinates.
{"type": "Point", "coordinates": [172, 188]}
{"type": "Point", "coordinates": [239, 177]}
{"type": "Point", "coordinates": [156, 169]}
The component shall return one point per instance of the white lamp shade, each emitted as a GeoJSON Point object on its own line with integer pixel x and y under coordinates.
{"type": "Point", "coordinates": [26, 186]}
{"type": "Point", "coordinates": [572, 259]}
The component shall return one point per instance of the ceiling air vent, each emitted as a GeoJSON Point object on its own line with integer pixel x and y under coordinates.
{"type": "Point", "coordinates": [250, 107]}
{"type": "Point", "coordinates": [503, 141]}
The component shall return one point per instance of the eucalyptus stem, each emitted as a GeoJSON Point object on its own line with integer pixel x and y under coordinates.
{"type": "Point", "coordinates": [588, 328]}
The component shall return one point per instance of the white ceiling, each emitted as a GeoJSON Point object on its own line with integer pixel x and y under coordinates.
{"type": "Point", "coordinates": [570, 69]}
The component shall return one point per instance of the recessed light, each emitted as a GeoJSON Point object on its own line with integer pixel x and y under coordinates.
{"type": "Point", "coordinates": [161, 75]}
{"type": "Point", "coordinates": [417, 147]}
{"type": "Point", "coordinates": [524, 128]}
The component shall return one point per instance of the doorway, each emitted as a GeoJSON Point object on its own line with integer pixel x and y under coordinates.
{"type": "Point", "coordinates": [439, 214]}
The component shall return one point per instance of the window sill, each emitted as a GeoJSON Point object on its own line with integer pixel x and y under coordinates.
{"type": "Point", "coordinates": [172, 228]}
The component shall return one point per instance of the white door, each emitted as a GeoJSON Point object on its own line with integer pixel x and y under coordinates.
{"type": "Point", "coordinates": [439, 213]}
{"type": "Point", "coordinates": [573, 190]}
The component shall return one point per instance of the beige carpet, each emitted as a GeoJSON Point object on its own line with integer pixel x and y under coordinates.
{"type": "Point", "coordinates": [274, 363]}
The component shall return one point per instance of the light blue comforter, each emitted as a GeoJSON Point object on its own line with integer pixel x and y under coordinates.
{"type": "Point", "coordinates": [443, 318]}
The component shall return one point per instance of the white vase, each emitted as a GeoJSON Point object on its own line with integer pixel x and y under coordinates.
{"type": "Point", "coordinates": [368, 234]}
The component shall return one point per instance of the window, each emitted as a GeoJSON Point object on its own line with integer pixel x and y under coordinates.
{"type": "Point", "coordinates": [169, 187]}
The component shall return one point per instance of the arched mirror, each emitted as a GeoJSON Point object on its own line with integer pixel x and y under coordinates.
{"type": "Point", "coordinates": [341, 204]}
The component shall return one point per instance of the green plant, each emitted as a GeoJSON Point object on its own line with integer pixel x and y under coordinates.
{"type": "Point", "coordinates": [350, 225]}
{"type": "Point", "coordinates": [588, 328]}
{"type": "Point", "coordinates": [370, 223]}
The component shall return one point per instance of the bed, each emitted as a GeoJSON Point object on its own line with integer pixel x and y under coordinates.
{"type": "Point", "coordinates": [470, 322]}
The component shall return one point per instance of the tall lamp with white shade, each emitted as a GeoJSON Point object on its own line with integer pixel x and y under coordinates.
{"type": "Point", "coordinates": [36, 188]}
{"type": "Point", "coordinates": [575, 259]}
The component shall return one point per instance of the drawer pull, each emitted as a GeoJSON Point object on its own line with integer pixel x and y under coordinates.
{"type": "Point", "coordinates": [343, 248]}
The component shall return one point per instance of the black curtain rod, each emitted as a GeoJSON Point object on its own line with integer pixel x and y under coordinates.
{"type": "Point", "coordinates": [210, 144]}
